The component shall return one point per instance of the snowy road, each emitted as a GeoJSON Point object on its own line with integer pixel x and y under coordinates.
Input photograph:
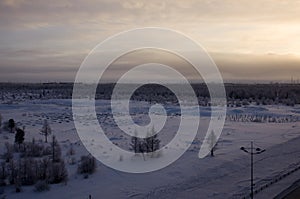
{"type": "Point", "coordinates": [231, 179]}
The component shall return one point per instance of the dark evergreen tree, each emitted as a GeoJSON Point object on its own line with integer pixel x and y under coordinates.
{"type": "Point", "coordinates": [19, 137]}
{"type": "Point", "coordinates": [11, 125]}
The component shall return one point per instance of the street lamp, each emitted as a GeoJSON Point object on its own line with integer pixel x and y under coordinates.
{"type": "Point", "coordinates": [252, 152]}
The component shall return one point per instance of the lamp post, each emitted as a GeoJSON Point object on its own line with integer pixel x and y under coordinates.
{"type": "Point", "coordinates": [250, 150]}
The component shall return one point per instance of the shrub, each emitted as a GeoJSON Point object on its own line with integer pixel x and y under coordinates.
{"type": "Point", "coordinates": [41, 186]}
{"type": "Point", "coordinates": [87, 165]}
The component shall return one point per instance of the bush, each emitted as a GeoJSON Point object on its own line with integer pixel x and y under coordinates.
{"type": "Point", "coordinates": [87, 165]}
{"type": "Point", "coordinates": [58, 173]}
{"type": "Point", "coordinates": [41, 186]}
{"type": "Point", "coordinates": [71, 151]}
{"type": "Point", "coordinates": [72, 160]}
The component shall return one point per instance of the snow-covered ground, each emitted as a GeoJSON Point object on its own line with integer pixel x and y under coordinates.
{"type": "Point", "coordinates": [224, 176]}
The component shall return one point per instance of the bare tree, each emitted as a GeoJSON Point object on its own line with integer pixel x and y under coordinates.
{"type": "Point", "coordinates": [212, 141]}
{"type": "Point", "coordinates": [58, 172]}
{"type": "Point", "coordinates": [56, 151]}
{"type": "Point", "coordinates": [0, 122]}
{"type": "Point", "coordinates": [153, 142]}
{"type": "Point", "coordinates": [12, 171]}
{"type": "Point", "coordinates": [135, 142]}
{"type": "Point", "coordinates": [46, 130]}
{"type": "Point", "coordinates": [150, 144]}
{"type": "Point", "coordinates": [3, 174]}
{"type": "Point", "coordinates": [44, 167]}
{"type": "Point", "coordinates": [8, 155]}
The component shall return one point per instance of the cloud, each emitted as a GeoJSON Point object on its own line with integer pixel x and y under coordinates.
{"type": "Point", "coordinates": [258, 67]}
{"type": "Point", "coordinates": [39, 34]}
{"type": "Point", "coordinates": [42, 13]}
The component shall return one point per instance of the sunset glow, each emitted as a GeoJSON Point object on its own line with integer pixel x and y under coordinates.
{"type": "Point", "coordinates": [249, 41]}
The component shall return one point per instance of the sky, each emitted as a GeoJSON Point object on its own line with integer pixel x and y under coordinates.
{"type": "Point", "coordinates": [255, 41]}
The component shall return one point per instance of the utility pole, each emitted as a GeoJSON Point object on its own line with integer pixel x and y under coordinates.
{"type": "Point", "coordinates": [252, 152]}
